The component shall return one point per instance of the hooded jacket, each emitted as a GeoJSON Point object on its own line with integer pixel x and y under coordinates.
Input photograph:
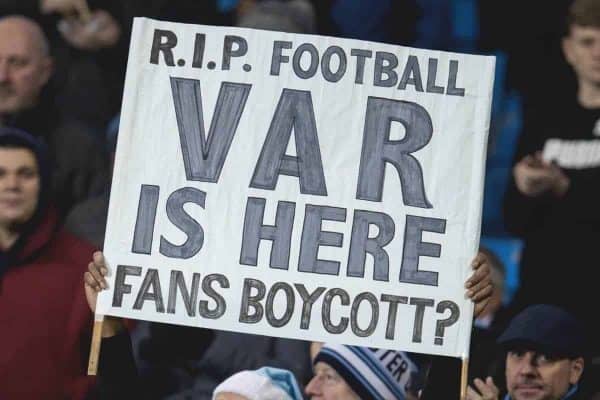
{"type": "Point", "coordinates": [46, 323]}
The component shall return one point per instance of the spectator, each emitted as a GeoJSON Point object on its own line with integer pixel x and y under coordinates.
{"type": "Point", "coordinates": [545, 349]}
{"type": "Point", "coordinates": [43, 313]}
{"type": "Point", "coordinates": [263, 384]}
{"type": "Point", "coordinates": [552, 202]}
{"type": "Point", "coordinates": [25, 68]}
{"type": "Point", "coordinates": [355, 373]}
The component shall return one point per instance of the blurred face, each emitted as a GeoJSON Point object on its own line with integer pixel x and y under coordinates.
{"type": "Point", "coordinates": [19, 186]}
{"type": "Point", "coordinates": [329, 385]}
{"type": "Point", "coordinates": [24, 68]}
{"type": "Point", "coordinates": [582, 51]}
{"type": "Point", "coordinates": [534, 376]}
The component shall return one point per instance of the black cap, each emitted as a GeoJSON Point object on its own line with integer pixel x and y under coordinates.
{"type": "Point", "coordinates": [545, 328]}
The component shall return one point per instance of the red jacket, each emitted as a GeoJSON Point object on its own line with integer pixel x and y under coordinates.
{"type": "Point", "coordinates": [45, 323]}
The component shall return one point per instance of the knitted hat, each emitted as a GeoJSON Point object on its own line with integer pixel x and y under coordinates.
{"type": "Point", "coordinates": [263, 384]}
{"type": "Point", "coordinates": [373, 373]}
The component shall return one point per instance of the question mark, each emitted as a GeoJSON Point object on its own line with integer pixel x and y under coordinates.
{"type": "Point", "coordinates": [444, 323]}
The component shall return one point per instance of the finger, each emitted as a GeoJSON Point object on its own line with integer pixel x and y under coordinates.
{"type": "Point", "coordinates": [527, 160]}
{"type": "Point", "coordinates": [484, 389]}
{"type": "Point", "coordinates": [472, 394]}
{"type": "Point", "coordinates": [479, 259]}
{"type": "Point", "coordinates": [557, 170]}
{"type": "Point", "coordinates": [91, 282]}
{"type": "Point", "coordinates": [98, 257]}
{"type": "Point", "coordinates": [479, 284]}
{"type": "Point", "coordinates": [481, 272]}
{"type": "Point", "coordinates": [95, 271]}
{"type": "Point", "coordinates": [535, 175]}
{"type": "Point", "coordinates": [482, 293]}
{"type": "Point", "coordinates": [480, 307]}
{"type": "Point", "coordinates": [490, 382]}
{"type": "Point", "coordinates": [99, 260]}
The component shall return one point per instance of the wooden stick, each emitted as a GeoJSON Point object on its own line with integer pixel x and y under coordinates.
{"type": "Point", "coordinates": [95, 345]}
{"type": "Point", "coordinates": [464, 378]}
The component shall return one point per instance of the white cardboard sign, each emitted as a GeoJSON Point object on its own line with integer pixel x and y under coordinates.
{"type": "Point", "coordinates": [298, 186]}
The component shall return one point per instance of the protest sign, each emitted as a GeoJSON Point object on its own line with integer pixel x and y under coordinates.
{"type": "Point", "coordinates": [298, 186]}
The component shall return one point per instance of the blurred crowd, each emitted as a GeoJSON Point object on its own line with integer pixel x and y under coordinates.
{"type": "Point", "coordinates": [62, 70]}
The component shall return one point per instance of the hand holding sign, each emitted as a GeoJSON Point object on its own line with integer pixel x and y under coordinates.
{"type": "Point", "coordinates": [94, 282]}
{"type": "Point", "coordinates": [479, 286]}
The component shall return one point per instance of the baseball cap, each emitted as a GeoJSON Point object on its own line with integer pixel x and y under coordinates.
{"type": "Point", "coordinates": [545, 328]}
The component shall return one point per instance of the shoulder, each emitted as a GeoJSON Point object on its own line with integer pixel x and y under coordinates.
{"type": "Point", "coordinates": [70, 250]}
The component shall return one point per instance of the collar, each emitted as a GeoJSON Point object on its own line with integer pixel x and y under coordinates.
{"type": "Point", "coordinates": [569, 395]}
{"type": "Point", "coordinates": [33, 240]}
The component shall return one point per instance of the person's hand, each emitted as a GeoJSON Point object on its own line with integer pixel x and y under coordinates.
{"type": "Point", "coordinates": [479, 285]}
{"type": "Point", "coordinates": [94, 281]}
{"type": "Point", "coordinates": [66, 8]}
{"type": "Point", "coordinates": [100, 31]}
{"type": "Point", "coordinates": [560, 181]}
{"type": "Point", "coordinates": [485, 390]}
{"type": "Point", "coordinates": [534, 177]}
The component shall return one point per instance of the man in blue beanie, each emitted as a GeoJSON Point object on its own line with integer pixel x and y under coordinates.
{"type": "Point", "coordinates": [545, 348]}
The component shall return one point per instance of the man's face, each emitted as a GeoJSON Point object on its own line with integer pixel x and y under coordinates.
{"type": "Point", "coordinates": [19, 186]}
{"type": "Point", "coordinates": [24, 68]}
{"type": "Point", "coordinates": [582, 51]}
{"type": "Point", "coordinates": [533, 376]}
{"type": "Point", "coordinates": [329, 385]}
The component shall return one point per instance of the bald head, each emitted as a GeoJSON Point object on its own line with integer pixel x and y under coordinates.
{"type": "Point", "coordinates": [29, 30]}
{"type": "Point", "coordinates": [25, 63]}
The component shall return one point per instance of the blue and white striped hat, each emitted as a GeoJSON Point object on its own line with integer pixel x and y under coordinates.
{"type": "Point", "coordinates": [376, 374]}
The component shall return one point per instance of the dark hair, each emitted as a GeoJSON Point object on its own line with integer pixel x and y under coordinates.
{"type": "Point", "coordinates": [584, 13]}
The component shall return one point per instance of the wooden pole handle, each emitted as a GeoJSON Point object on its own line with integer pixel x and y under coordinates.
{"type": "Point", "coordinates": [95, 345]}
{"type": "Point", "coordinates": [464, 378]}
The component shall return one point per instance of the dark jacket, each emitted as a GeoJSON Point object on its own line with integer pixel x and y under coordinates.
{"type": "Point", "coordinates": [559, 262]}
